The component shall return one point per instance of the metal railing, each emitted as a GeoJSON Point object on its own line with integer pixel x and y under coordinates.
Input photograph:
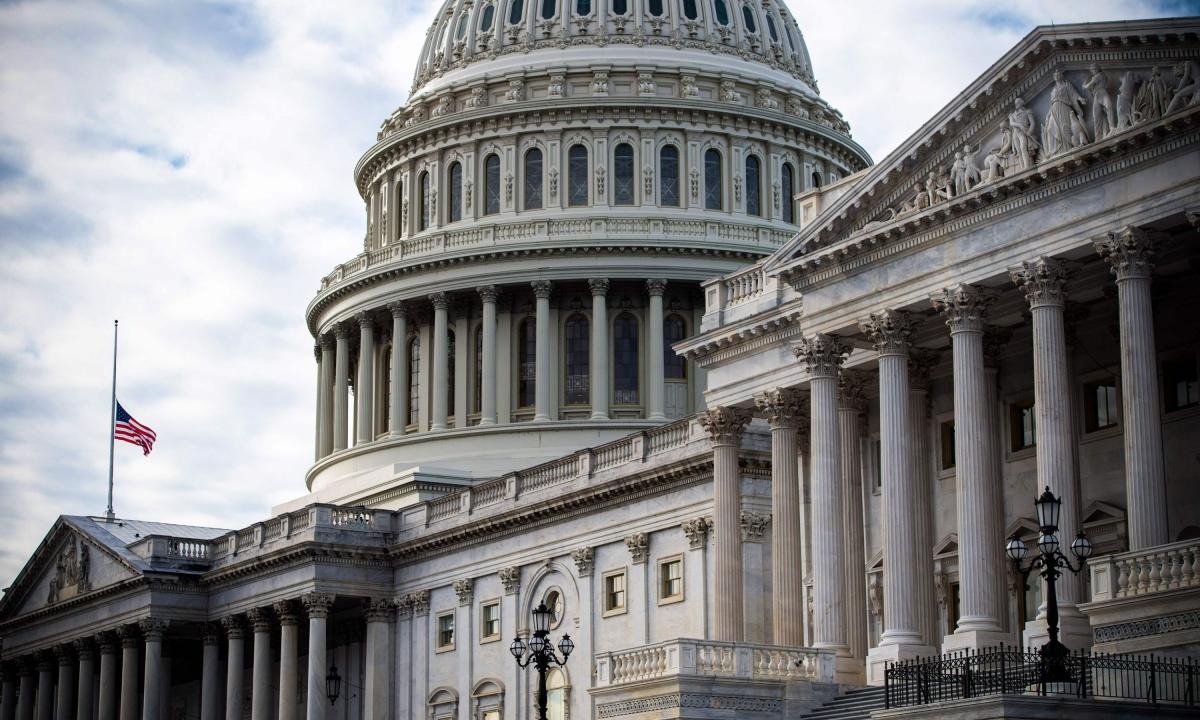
{"type": "Point", "coordinates": [1017, 671]}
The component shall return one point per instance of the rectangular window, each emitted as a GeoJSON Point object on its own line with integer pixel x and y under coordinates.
{"type": "Point", "coordinates": [614, 592]}
{"type": "Point", "coordinates": [489, 625]}
{"type": "Point", "coordinates": [670, 579]}
{"type": "Point", "coordinates": [1100, 404]}
{"type": "Point", "coordinates": [1180, 383]}
{"type": "Point", "coordinates": [947, 435]}
{"type": "Point", "coordinates": [1021, 425]}
{"type": "Point", "coordinates": [952, 608]}
{"type": "Point", "coordinates": [445, 631]}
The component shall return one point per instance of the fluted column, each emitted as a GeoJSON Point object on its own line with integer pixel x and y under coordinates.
{"type": "Point", "coordinates": [85, 679]}
{"type": "Point", "coordinates": [724, 427]}
{"type": "Point", "coordinates": [64, 705]}
{"type": "Point", "coordinates": [821, 356]}
{"type": "Point", "coordinates": [107, 707]}
{"type": "Point", "coordinates": [851, 408]}
{"type": "Point", "coordinates": [600, 352]}
{"type": "Point", "coordinates": [980, 533]}
{"type": "Point", "coordinates": [378, 675]}
{"type": "Point", "coordinates": [235, 631]}
{"type": "Point", "coordinates": [319, 416]}
{"type": "Point", "coordinates": [994, 340]}
{"type": "Point", "coordinates": [26, 694]}
{"type": "Point", "coordinates": [920, 362]}
{"type": "Point", "coordinates": [152, 630]}
{"type": "Point", "coordinates": [286, 611]}
{"type": "Point", "coordinates": [260, 675]}
{"type": "Point", "coordinates": [441, 361]}
{"type": "Point", "coordinates": [364, 389]}
{"type": "Point", "coordinates": [1130, 253]}
{"type": "Point", "coordinates": [317, 606]}
{"type": "Point", "coordinates": [8, 692]}
{"type": "Point", "coordinates": [784, 409]}
{"type": "Point", "coordinates": [890, 331]}
{"type": "Point", "coordinates": [341, 377]}
{"type": "Point", "coordinates": [487, 373]}
{"type": "Point", "coordinates": [398, 381]}
{"type": "Point", "coordinates": [212, 706]}
{"type": "Point", "coordinates": [325, 395]}
{"type": "Point", "coordinates": [541, 292]}
{"type": "Point", "coordinates": [130, 640]}
{"type": "Point", "coordinates": [657, 385]}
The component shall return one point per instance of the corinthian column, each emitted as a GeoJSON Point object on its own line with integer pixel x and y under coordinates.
{"type": "Point", "coordinates": [784, 409]}
{"type": "Point", "coordinates": [317, 606]}
{"type": "Point", "coordinates": [364, 389]}
{"type": "Point", "coordinates": [378, 675]}
{"type": "Point", "coordinates": [8, 695]}
{"type": "Point", "coordinates": [129, 671]}
{"type": "Point", "coordinates": [152, 630]}
{"type": "Point", "coordinates": [441, 360]}
{"type": "Point", "coordinates": [107, 707]}
{"type": "Point", "coordinates": [487, 373]}
{"type": "Point", "coordinates": [285, 610]}
{"type": "Point", "coordinates": [657, 385]}
{"type": "Point", "coordinates": [541, 292]}
{"type": "Point", "coordinates": [901, 639]}
{"type": "Point", "coordinates": [980, 533]}
{"type": "Point", "coordinates": [211, 705]}
{"type": "Point", "coordinates": [600, 354]}
{"type": "Point", "coordinates": [65, 702]}
{"type": "Point", "coordinates": [851, 408]}
{"type": "Point", "coordinates": [821, 356]}
{"type": "Point", "coordinates": [1130, 252]}
{"type": "Point", "coordinates": [724, 427]}
{"type": "Point", "coordinates": [45, 692]}
{"type": "Point", "coordinates": [260, 675]}
{"type": "Point", "coordinates": [86, 679]}
{"type": "Point", "coordinates": [341, 376]}
{"type": "Point", "coordinates": [235, 670]}
{"type": "Point", "coordinates": [25, 694]}
{"type": "Point", "coordinates": [920, 362]}
{"type": "Point", "coordinates": [397, 390]}
{"type": "Point", "coordinates": [325, 402]}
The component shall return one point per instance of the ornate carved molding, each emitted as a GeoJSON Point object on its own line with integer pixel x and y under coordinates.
{"type": "Point", "coordinates": [235, 627]}
{"type": "Point", "coordinates": [964, 307]}
{"type": "Point", "coordinates": [465, 590]}
{"type": "Point", "coordinates": [598, 286]}
{"type": "Point", "coordinates": [72, 570]}
{"type": "Point", "coordinates": [655, 288]}
{"type": "Point", "coordinates": [1043, 280]}
{"type": "Point", "coordinates": [379, 609]}
{"type": "Point", "coordinates": [639, 547]}
{"type": "Point", "coordinates": [260, 619]}
{"type": "Point", "coordinates": [510, 577]}
{"type": "Point", "coordinates": [152, 629]}
{"type": "Point", "coordinates": [696, 531]}
{"type": "Point", "coordinates": [316, 604]}
{"type": "Point", "coordinates": [821, 355]}
{"type": "Point", "coordinates": [753, 526]}
{"type": "Point", "coordinates": [287, 612]}
{"type": "Point", "coordinates": [439, 300]}
{"type": "Point", "coordinates": [725, 425]}
{"type": "Point", "coordinates": [584, 562]}
{"type": "Point", "coordinates": [542, 289]}
{"type": "Point", "coordinates": [488, 293]}
{"type": "Point", "coordinates": [1129, 252]}
{"type": "Point", "coordinates": [889, 330]}
{"type": "Point", "coordinates": [397, 309]}
{"type": "Point", "coordinates": [783, 407]}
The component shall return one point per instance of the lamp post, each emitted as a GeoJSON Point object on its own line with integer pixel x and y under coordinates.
{"type": "Point", "coordinates": [1051, 561]}
{"type": "Point", "coordinates": [540, 652]}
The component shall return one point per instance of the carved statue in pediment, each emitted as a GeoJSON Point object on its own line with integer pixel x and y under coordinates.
{"type": "Point", "coordinates": [1103, 113]}
{"type": "Point", "coordinates": [72, 568]}
{"type": "Point", "coordinates": [1152, 100]}
{"type": "Point", "coordinates": [1063, 128]}
{"type": "Point", "coordinates": [1024, 134]}
{"type": "Point", "coordinates": [1126, 94]}
{"type": "Point", "coordinates": [1187, 92]}
{"type": "Point", "coordinates": [964, 173]}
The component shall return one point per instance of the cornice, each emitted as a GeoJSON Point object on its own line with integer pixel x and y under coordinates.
{"type": "Point", "coordinates": [307, 553]}
{"type": "Point", "coordinates": [747, 336]}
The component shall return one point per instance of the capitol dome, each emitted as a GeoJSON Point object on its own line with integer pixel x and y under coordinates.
{"type": "Point", "coordinates": [540, 215]}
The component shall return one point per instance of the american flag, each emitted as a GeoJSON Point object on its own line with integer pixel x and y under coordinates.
{"type": "Point", "coordinates": [132, 431]}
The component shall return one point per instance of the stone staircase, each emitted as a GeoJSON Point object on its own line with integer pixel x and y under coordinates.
{"type": "Point", "coordinates": [856, 704]}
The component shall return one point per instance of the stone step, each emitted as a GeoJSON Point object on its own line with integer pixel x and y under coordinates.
{"type": "Point", "coordinates": [855, 704]}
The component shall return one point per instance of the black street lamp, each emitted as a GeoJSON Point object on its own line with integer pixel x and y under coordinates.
{"type": "Point", "coordinates": [541, 652]}
{"type": "Point", "coordinates": [333, 684]}
{"type": "Point", "coordinates": [1053, 653]}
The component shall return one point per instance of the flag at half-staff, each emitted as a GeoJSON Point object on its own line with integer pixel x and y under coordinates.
{"type": "Point", "coordinates": [132, 431]}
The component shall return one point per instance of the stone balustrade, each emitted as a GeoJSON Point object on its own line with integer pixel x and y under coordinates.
{"type": "Point", "coordinates": [713, 659]}
{"type": "Point", "coordinates": [741, 295]}
{"type": "Point", "coordinates": [1153, 570]}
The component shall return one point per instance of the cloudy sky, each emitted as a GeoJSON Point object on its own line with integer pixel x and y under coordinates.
{"type": "Point", "coordinates": [186, 167]}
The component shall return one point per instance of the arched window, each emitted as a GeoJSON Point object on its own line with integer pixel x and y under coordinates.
{"type": "Point", "coordinates": [441, 43]}
{"type": "Point", "coordinates": [527, 361]}
{"type": "Point", "coordinates": [491, 184]}
{"type": "Point", "coordinates": [486, 17]}
{"type": "Point", "coordinates": [549, 9]}
{"type": "Point", "coordinates": [771, 29]}
{"type": "Point", "coordinates": [414, 379]}
{"type": "Point", "coordinates": [753, 186]}
{"type": "Point", "coordinates": [625, 359]}
{"type": "Point", "coordinates": [722, 11]}
{"type": "Point", "coordinates": [450, 373]}
{"type": "Point", "coordinates": [583, 7]}
{"type": "Point", "coordinates": [713, 193]}
{"type": "Point", "coordinates": [556, 695]}
{"type": "Point", "coordinates": [668, 176]}
{"type": "Point", "coordinates": [655, 7]}
{"type": "Point", "coordinates": [533, 179]}
{"type": "Point", "coordinates": [384, 389]}
{"type": "Point", "coordinates": [578, 359]}
{"type": "Point", "coordinates": [425, 200]}
{"type": "Point", "coordinates": [456, 192]}
{"type": "Point", "coordinates": [462, 26]}
{"type": "Point", "coordinates": [477, 400]}
{"type": "Point", "coordinates": [690, 11]}
{"type": "Point", "coordinates": [515, 10]}
{"type": "Point", "coordinates": [787, 188]}
{"type": "Point", "coordinates": [400, 230]}
{"type": "Point", "coordinates": [623, 174]}
{"type": "Point", "coordinates": [577, 176]}
{"type": "Point", "coordinates": [748, 17]}
{"type": "Point", "coordinates": [674, 330]}
{"type": "Point", "coordinates": [620, 7]}
{"type": "Point", "coordinates": [787, 33]}
{"type": "Point", "coordinates": [816, 179]}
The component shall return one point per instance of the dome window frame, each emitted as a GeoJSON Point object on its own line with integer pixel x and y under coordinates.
{"type": "Point", "coordinates": [749, 23]}
{"type": "Point", "coordinates": [487, 17]}
{"type": "Point", "coordinates": [515, 8]}
{"type": "Point", "coordinates": [721, 10]}
{"type": "Point", "coordinates": [695, 6]}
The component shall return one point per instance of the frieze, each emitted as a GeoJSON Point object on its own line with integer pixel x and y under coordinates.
{"type": "Point", "coordinates": [658, 703]}
{"type": "Point", "coordinates": [1144, 628]}
{"type": "Point", "coordinates": [72, 570]}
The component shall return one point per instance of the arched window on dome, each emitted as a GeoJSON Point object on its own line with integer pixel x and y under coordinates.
{"type": "Point", "coordinates": [674, 330]}
{"type": "Point", "coordinates": [486, 17]}
{"type": "Point", "coordinates": [583, 7]}
{"type": "Point", "coordinates": [787, 188]}
{"type": "Point", "coordinates": [456, 198]}
{"type": "Point", "coordinates": [549, 9]}
{"type": "Point", "coordinates": [577, 176]}
{"type": "Point", "coordinates": [516, 9]}
{"type": "Point", "coordinates": [533, 179]}
{"type": "Point", "coordinates": [791, 38]}
{"type": "Point", "coordinates": [655, 7]}
{"type": "Point", "coordinates": [441, 43]}
{"type": "Point", "coordinates": [620, 7]}
{"type": "Point", "coordinates": [748, 18]}
{"type": "Point", "coordinates": [771, 28]}
{"type": "Point", "coordinates": [414, 379]}
{"type": "Point", "coordinates": [721, 10]}
{"type": "Point", "coordinates": [463, 21]}
{"type": "Point", "coordinates": [713, 192]}
{"type": "Point", "coordinates": [668, 176]}
{"type": "Point", "coordinates": [527, 362]}
{"type": "Point", "coordinates": [425, 201]}
{"type": "Point", "coordinates": [753, 185]}
{"type": "Point", "coordinates": [623, 186]}
{"type": "Point", "coordinates": [450, 374]}
{"type": "Point", "coordinates": [578, 358]}
{"type": "Point", "coordinates": [491, 184]}
{"type": "Point", "coordinates": [625, 359]}
{"type": "Point", "coordinates": [690, 10]}
{"type": "Point", "coordinates": [477, 396]}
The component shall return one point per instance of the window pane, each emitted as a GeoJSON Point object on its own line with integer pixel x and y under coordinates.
{"type": "Point", "coordinates": [619, 7]}
{"type": "Point", "coordinates": [948, 459]}
{"type": "Point", "coordinates": [1021, 420]}
{"type": "Point", "coordinates": [549, 8]}
{"type": "Point", "coordinates": [533, 179]}
{"type": "Point", "coordinates": [527, 351]}
{"type": "Point", "coordinates": [771, 29]}
{"type": "Point", "coordinates": [753, 186]}
{"type": "Point", "coordinates": [668, 176]}
{"type": "Point", "coordinates": [625, 359]}
{"type": "Point", "coordinates": [485, 22]}
{"type": "Point", "coordinates": [450, 372]}
{"type": "Point", "coordinates": [656, 7]}
{"type": "Point", "coordinates": [583, 7]}
{"type": "Point", "coordinates": [577, 176]}
{"type": "Point", "coordinates": [689, 9]}
{"type": "Point", "coordinates": [674, 366]}
{"type": "Point", "coordinates": [414, 380]}
{"type": "Point", "coordinates": [456, 192]}
{"type": "Point", "coordinates": [1100, 401]}
{"type": "Point", "coordinates": [722, 11]}
{"type": "Point", "coordinates": [477, 402]}
{"type": "Point", "coordinates": [748, 16]}
{"type": "Point", "coordinates": [425, 200]}
{"type": "Point", "coordinates": [787, 190]}
{"type": "Point", "coordinates": [712, 179]}
{"type": "Point", "coordinates": [491, 183]}
{"type": "Point", "coordinates": [578, 350]}
{"type": "Point", "coordinates": [623, 174]}
{"type": "Point", "coordinates": [515, 11]}
{"type": "Point", "coordinates": [462, 27]}
{"type": "Point", "coordinates": [1180, 383]}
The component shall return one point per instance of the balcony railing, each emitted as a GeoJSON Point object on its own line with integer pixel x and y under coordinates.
{"type": "Point", "coordinates": [1149, 571]}
{"type": "Point", "coordinates": [713, 659]}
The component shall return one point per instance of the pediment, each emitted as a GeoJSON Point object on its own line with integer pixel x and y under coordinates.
{"type": "Point", "coordinates": [947, 546]}
{"type": "Point", "coordinates": [1102, 513]}
{"type": "Point", "coordinates": [1024, 527]}
{"type": "Point", "coordinates": [1061, 100]}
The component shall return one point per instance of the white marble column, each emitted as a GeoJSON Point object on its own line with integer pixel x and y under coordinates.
{"type": "Point", "coordinates": [1044, 283]}
{"type": "Point", "coordinates": [152, 630]}
{"type": "Point", "coordinates": [235, 630]}
{"type": "Point", "coordinates": [890, 331]}
{"type": "Point", "coordinates": [980, 530]}
{"type": "Point", "coordinates": [398, 380]}
{"type": "Point", "coordinates": [1130, 253]}
{"type": "Point", "coordinates": [784, 409]}
{"type": "Point", "coordinates": [106, 709]}
{"type": "Point", "coordinates": [994, 340]}
{"type": "Point", "coordinates": [364, 388]}
{"type": "Point", "coordinates": [541, 292]}
{"type": "Point", "coordinates": [85, 681]}
{"type": "Point", "coordinates": [920, 362]}
{"type": "Point", "coordinates": [341, 377]}
{"type": "Point", "coordinates": [260, 674]}
{"type": "Point", "coordinates": [318, 415]}
{"type": "Point", "coordinates": [325, 399]}
{"type": "Point", "coordinates": [27, 690]}
{"type": "Point", "coordinates": [600, 351]}
{"type": "Point", "coordinates": [45, 692]}
{"type": "Point", "coordinates": [724, 427]}
{"type": "Point", "coordinates": [439, 380]}
{"type": "Point", "coordinates": [852, 406]}
{"type": "Point", "coordinates": [130, 640]}
{"type": "Point", "coordinates": [212, 705]}
{"type": "Point", "coordinates": [289, 638]}
{"type": "Point", "coordinates": [658, 382]}
{"type": "Point", "coordinates": [317, 606]}
{"type": "Point", "coordinates": [64, 704]}
{"type": "Point", "coordinates": [376, 687]}
{"type": "Point", "coordinates": [487, 373]}
{"type": "Point", "coordinates": [821, 357]}
{"type": "Point", "coordinates": [8, 693]}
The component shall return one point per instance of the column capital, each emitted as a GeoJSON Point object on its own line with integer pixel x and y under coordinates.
{"type": "Point", "coordinates": [286, 611]}
{"type": "Point", "coordinates": [46, 660]}
{"type": "Point", "coordinates": [852, 391]}
{"type": "Point", "coordinates": [317, 604]}
{"type": "Point", "coordinates": [488, 293]}
{"type": "Point", "coordinates": [639, 547]}
{"type": "Point", "coordinates": [365, 320]}
{"type": "Point", "coordinates": [317, 352]}
{"type": "Point", "coordinates": [783, 407]}
{"type": "Point", "coordinates": [510, 578]}
{"type": "Point", "coordinates": [920, 363]}
{"type": "Point", "coordinates": [1043, 280]}
{"type": "Point", "coordinates": [210, 633]}
{"type": "Point", "coordinates": [84, 648]}
{"type": "Point", "coordinates": [397, 309]}
{"type": "Point", "coordinates": [656, 287]}
{"type": "Point", "coordinates": [234, 627]}
{"type": "Point", "coordinates": [65, 654]}
{"type": "Point", "coordinates": [753, 526]}
{"type": "Point", "coordinates": [327, 341]}
{"type": "Point", "coordinates": [542, 289]}
{"type": "Point", "coordinates": [404, 607]}
{"type": "Point", "coordinates": [439, 300]}
{"type": "Point", "coordinates": [260, 618]}
{"type": "Point", "coordinates": [379, 609]}
{"type": "Point", "coordinates": [821, 355]}
{"type": "Point", "coordinates": [343, 330]}
{"type": "Point", "coordinates": [152, 628]}
{"type": "Point", "coordinates": [598, 286]}
{"type": "Point", "coordinates": [1129, 252]}
{"type": "Point", "coordinates": [108, 642]}
{"type": "Point", "coordinates": [724, 425]}
{"type": "Point", "coordinates": [419, 601]}
{"type": "Point", "coordinates": [964, 307]}
{"type": "Point", "coordinates": [889, 330]}
{"type": "Point", "coordinates": [584, 561]}
{"type": "Point", "coordinates": [995, 339]}
{"type": "Point", "coordinates": [464, 588]}
{"type": "Point", "coordinates": [696, 531]}
{"type": "Point", "coordinates": [129, 635]}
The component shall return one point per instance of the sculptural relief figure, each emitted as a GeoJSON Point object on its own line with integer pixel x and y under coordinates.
{"type": "Point", "coordinates": [964, 173]}
{"type": "Point", "coordinates": [1066, 105]}
{"type": "Point", "coordinates": [1103, 120]}
{"type": "Point", "coordinates": [1125, 97]}
{"type": "Point", "coordinates": [1187, 92]}
{"type": "Point", "coordinates": [1152, 99]}
{"type": "Point", "coordinates": [1023, 125]}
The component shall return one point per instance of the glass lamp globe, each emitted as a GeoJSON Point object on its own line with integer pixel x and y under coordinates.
{"type": "Point", "coordinates": [541, 618]}
{"type": "Point", "coordinates": [565, 646]}
{"type": "Point", "coordinates": [1048, 508]}
{"type": "Point", "coordinates": [1015, 549]}
{"type": "Point", "coordinates": [1048, 543]}
{"type": "Point", "coordinates": [1081, 546]}
{"type": "Point", "coordinates": [517, 648]}
{"type": "Point", "coordinates": [537, 643]}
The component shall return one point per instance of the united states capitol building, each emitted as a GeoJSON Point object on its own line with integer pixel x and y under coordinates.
{"type": "Point", "coordinates": [638, 330]}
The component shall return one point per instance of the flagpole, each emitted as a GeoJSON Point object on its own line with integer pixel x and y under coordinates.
{"type": "Point", "coordinates": [112, 420]}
